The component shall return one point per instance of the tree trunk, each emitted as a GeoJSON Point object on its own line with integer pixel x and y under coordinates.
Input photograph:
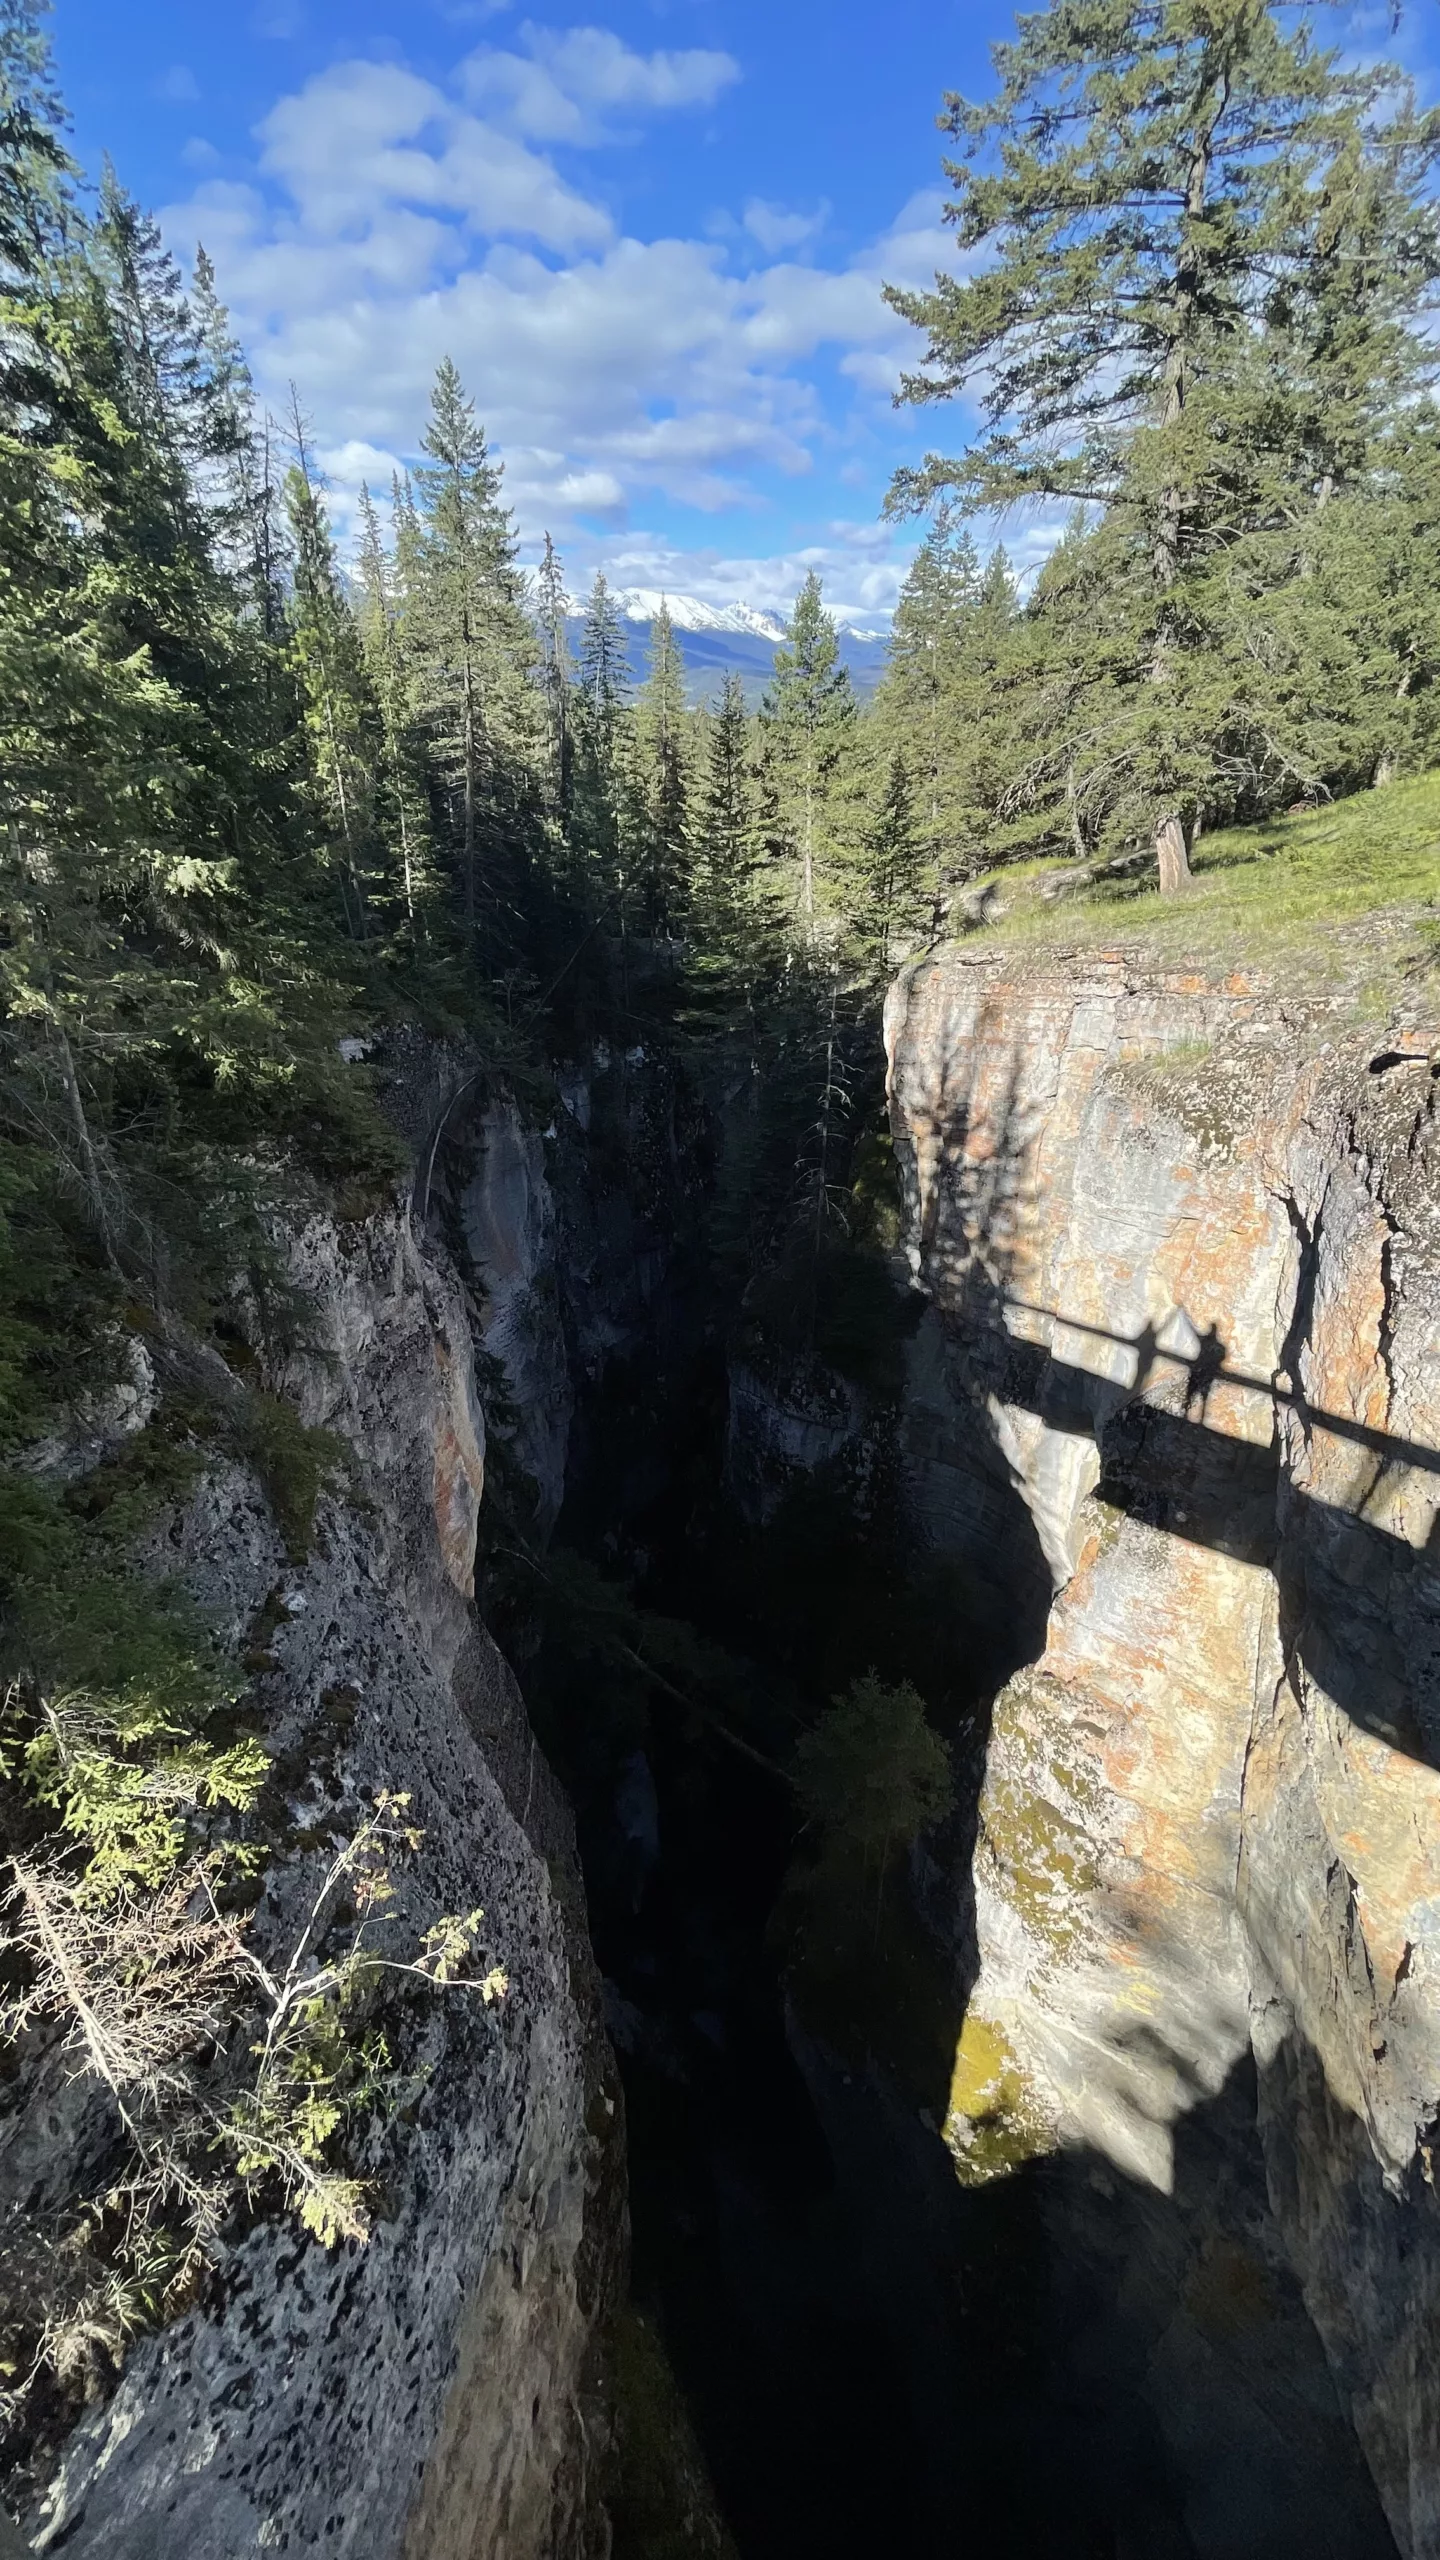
{"type": "Point", "coordinates": [1171, 855]}
{"type": "Point", "coordinates": [809, 848]}
{"type": "Point", "coordinates": [1077, 832]}
{"type": "Point", "coordinates": [469, 746]}
{"type": "Point", "coordinates": [1170, 515]}
{"type": "Point", "coordinates": [89, 1161]}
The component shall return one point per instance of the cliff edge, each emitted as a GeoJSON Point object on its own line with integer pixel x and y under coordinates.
{"type": "Point", "coordinates": [1180, 1233]}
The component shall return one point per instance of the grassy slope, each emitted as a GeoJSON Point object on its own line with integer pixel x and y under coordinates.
{"type": "Point", "coordinates": [1349, 894]}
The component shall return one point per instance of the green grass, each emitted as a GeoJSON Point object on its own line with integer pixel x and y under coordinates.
{"type": "Point", "coordinates": [1349, 894]}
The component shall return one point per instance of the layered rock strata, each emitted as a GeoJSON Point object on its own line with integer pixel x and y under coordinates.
{"type": "Point", "coordinates": [1180, 1236]}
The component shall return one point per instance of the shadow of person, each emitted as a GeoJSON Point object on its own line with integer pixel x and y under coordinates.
{"type": "Point", "coordinates": [1204, 1369]}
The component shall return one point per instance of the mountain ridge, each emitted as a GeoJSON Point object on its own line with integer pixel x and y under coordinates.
{"type": "Point", "coordinates": [720, 640]}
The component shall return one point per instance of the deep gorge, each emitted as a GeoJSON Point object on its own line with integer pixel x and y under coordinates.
{"type": "Point", "coordinates": [719, 1429]}
{"type": "Point", "coordinates": [797, 2228]}
{"type": "Point", "coordinates": [1086, 2198]}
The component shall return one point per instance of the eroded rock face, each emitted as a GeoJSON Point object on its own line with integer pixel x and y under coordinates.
{"type": "Point", "coordinates": [418, 2397]}
{"type": "Point", "coordinates": [1182, 1243]}
{"type": "Point", "coordinates": [505, 1214]}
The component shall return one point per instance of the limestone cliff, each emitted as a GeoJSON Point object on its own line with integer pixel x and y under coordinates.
{"type": "Point", "coordinates": [1181, 1239]}
{"type": "Point", "coordinates": [418, 2397]}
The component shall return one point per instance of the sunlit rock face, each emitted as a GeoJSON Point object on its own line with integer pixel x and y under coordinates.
{"type": "Point", "coordinates": [423, 2396]}
{"type": "Point", "coordinates": [1181, 1239]}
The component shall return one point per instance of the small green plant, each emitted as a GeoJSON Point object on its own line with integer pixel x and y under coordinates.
{"type": "Point", "coordinates": [143, 1989]}
{"type": "Point", "coordinates": [114, 1712]}
{"type": "Point", "coordinates": [314, 2071]}
{"type": "Point", "coordinates": [295, 1462]}
{"type": "Point", "coordinates": [871, 1775]}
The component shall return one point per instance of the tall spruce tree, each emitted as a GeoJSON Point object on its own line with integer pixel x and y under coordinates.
{"type": "Point", "coordinates": [236, 471]}
{"type": "Point", "coordinates": [340, 707]}
{"type": "Point", "coordinates": [602, 718]}
{"type": "Point", "coordinates": [402, 811]}
{"type": "Point", "coordinates": [155, 850]}
{"type": "Point", "coordinates": [661, 725]}
{"type": "Point", "coordinates": [891, 902]}
{"type": "Point", "coordinates": [917, 713]}
{"type": "Point", "coordinates": [1155, 182]}
{"type": "Point", "coordinates": [727, 806]}
{"type": "Point", "coordinates": [810, 711]}
{"type": "Point", "coordinates": [470, 640]}
{"type": "Point", "coordinates": [557, 679]}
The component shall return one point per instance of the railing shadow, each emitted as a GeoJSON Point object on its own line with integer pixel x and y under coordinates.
{"type": "Point", "coordinates": [1359, 1604]}
{"type": "Point", "coordinates": [1352, 1591]}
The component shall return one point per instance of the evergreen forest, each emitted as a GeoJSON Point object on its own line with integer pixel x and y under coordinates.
{"type": "Point", "coordinates": [266, 801]}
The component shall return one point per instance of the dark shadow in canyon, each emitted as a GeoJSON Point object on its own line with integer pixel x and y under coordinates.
{"type": "Point", "coordinates": [1064, 2364]}
{"type": "Point", "coordinates": [877, 2360]}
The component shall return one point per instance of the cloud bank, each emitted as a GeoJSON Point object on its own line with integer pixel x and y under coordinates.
{"type": "Point", "coordinates": [388, 219]}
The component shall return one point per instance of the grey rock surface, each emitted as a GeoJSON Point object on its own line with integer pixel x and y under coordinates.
{"type": "Point", "coordinates": [421, 2396]}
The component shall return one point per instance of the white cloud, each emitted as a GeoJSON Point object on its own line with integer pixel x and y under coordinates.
{"type": "Point", "coordinates": [591, 492]}
{"type": "Point", "coordinates": [774, 228]}
{"type": "Point", "coordinates": [567, 87]}
{"type": "Point", "coordinates": [366, 138]}
{"type": "Point", "coordinates": [178, 86]}
{"type": "Point", "coordinates": [389, 222]}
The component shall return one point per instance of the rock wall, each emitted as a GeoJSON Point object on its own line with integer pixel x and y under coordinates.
{"type": "Point", "coordinates": [568, 1238]}
{"type": "Point", "coordinates": [420, 2397]}
{"type": "Point", "coordinates": [1181, 1242]}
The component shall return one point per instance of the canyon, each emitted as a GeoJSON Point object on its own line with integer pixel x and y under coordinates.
{"type": "Point", "coordinates": [1167, 1289]}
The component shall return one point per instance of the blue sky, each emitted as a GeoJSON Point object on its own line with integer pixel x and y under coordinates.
{"type": "Point", "coordinates": [652, 237]}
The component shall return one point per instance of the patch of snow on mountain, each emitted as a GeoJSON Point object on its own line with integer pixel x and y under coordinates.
{"type": "Point", "coordinates": [692, 613]}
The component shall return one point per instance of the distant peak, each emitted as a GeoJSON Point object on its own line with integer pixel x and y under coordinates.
{"type": "Point", "coordinates": [692, 613]}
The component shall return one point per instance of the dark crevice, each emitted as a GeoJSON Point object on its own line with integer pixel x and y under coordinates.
{"type": "Point", "coordinates": [875, 2358]}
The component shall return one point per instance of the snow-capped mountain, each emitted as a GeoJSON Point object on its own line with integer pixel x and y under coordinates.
{"type": "Point", "coordinates": [692, 613]}
{"type": "Point", "coordinates": [717, 640]}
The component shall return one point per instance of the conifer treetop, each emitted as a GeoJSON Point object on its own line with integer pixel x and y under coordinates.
{"type": "Point", "coordinates": [1147, 177]}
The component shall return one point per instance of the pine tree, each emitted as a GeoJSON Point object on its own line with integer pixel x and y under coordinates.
{"type": "Point", "coordinates": [889, 908]}
{"type": "Point", "coordinates": [154, 852]}
{"type": "Point", "coordinates": [916, 709]}
{"type": "Point", "coordinates": [403, 813]}
{"type": "Point", "coordinates": [727, 811]}
{"type": "Point", "coordinates": [810, 710]}
{"type": "Point", "coordinates": [557, 680]}
{"type": "Point", "coordinates": [470, 640]}
{"type": "Point", "coordinates": [234, 462]}
{"type": "Point", "coordinates": [340, 707]}
{"type": "Point", "coordinates": [35, 168]}
{"type": "Point", "coordinates": [602, 735]}
{"type": "Point", "coordinates": [870, 1776]}
{"type": "Point", "coordinates": [660, 727]}
{"type": "Point", "coordinates": [1153, 185]}
{"type": "Point", "coordinates": [157, 335]}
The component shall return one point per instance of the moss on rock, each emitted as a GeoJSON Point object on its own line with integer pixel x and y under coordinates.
{"type": "Point", "coordinates": [995, 2121]}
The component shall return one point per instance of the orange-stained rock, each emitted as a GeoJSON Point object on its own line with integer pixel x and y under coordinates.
{"type": "Point", "coordinates": [1181, 1239]}
{"type": "Point", "coordinates": [459, 1467]}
